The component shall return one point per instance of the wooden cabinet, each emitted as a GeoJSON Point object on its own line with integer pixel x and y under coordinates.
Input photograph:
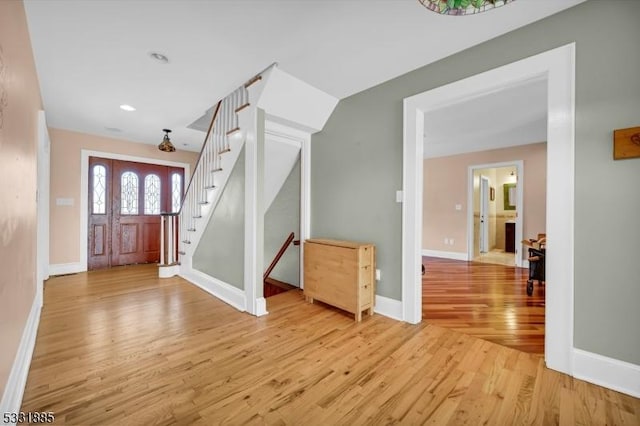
{"type": "Point", "coordinates": [340, 273]}
{"type": "Point", "coordinates": [510, 237]}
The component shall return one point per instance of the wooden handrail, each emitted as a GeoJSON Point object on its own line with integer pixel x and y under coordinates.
{"type": "Point", "coordinates": [278, 256]}
{"type": "Point", "coordinates": [204, 145]}
{"type": "Point", "coordinates": [253, 80]}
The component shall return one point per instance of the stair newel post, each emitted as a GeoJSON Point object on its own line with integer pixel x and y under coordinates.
{"type": "Point", "coordinates": [170, 241]}
{"type": "Point", "coordinates": [176, 236]}
{"type": "Point", "coordinates": [163, 222]}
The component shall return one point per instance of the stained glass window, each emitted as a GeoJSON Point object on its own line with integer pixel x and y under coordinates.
{"type": "Point", "coordinates": [152, 194]}
{"type": "Point", "coordinates": [129, 193]}
{"type": "Point", "coordinates": [176, 192]}
{"type": "Point", "coordinates": [99, 189]}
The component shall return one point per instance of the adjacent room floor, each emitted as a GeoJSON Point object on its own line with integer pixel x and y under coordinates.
{"type": "Point", "coordinates": [484, 300]}
{"type": "Point", "coordinates": [125, 347]}
{"type": "Point", "coordinates": [497, 257]}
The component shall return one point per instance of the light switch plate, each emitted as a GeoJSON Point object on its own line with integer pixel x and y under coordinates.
{"type": "Point", "coordinates": [64, 201]}
{"type": "Point", "coordinates": [399, 196]}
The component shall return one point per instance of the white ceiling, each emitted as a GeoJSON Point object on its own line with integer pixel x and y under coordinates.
{"type": "Point", "coordinates": [509, 117]}
{"type": "Point", "coordinates": [92, 56]}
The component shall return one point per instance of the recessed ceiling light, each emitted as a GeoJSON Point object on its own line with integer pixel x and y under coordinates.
{"type": "Point", "coordinates": [159, 57]}
{"type": "Point", "coordinates": [126, 107]}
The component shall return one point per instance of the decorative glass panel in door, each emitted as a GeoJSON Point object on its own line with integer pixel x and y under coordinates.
{"type": "Point", "coordinates": [152, 194]}
{"type": "Point", "coordinates": [99, 189]}
{"type": "Point", "coordinates": [129, 193]}
{"type": "Point", "coordinates": [176, 192]}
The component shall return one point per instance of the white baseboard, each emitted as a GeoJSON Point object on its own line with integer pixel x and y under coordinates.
{"type": "Point", "coordinates": [226, 292]}
{"type": "Point", "coordinates": [261, 307]}
{"type": "Point", "coordinates": [388, 307]}
{"type": "Point", "coordinates": [66, 268]}
{"type": "Point", "coordinates": [611, 373]}
{"type": "Point", "coordinates": [168, 271]}
{"type": "Point", "coordinates": [446, 254]}
{"type": "Point", "coordinates": [14, 389]}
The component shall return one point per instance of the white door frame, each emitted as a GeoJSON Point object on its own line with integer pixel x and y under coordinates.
{"type": "Point", "coordinates": [44, 179]}
{"type": "Point", "coordinates": [301, 139]}
{"type": "Point", "coordinates": [484, 214]}
{"type": "Point", "coordinates": [519, 165]}
{"type": "Point", "coordinates": [557, 66]}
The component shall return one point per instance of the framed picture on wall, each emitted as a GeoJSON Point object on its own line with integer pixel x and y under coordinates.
{"type": "Point", "coordinates": [492, 193]}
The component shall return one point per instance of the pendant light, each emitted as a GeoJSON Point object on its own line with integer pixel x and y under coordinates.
{"type": "Point", "coordinates": [166, 144]}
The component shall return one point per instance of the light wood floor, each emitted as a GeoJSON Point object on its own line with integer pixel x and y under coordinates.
{"type": "Point", "coordinates": [123, 347]}
{"type": "Point", "coordinates": [485, 301]}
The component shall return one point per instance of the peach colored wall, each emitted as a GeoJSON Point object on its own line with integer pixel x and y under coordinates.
{"type": "Point", "coordinates": [445, 185]}
{"type": "Point", "coordinates": [66, 147]}
{"type": "Point", "coordinates": [19, 106]}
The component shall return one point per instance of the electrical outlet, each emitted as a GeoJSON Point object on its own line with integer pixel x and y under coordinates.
{"type": "Point", "coordinates": [451, 241]}
{"type": "Point", "coordinates": [378, 274]}
{"type": "Point", "coordinates": [446, 241]}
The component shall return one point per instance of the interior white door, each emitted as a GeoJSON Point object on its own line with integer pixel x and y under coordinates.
{"type": "Point", "coordinates": [484, 214]}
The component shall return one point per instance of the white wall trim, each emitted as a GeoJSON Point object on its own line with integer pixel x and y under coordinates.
{"type": "Point", "coordinates": [558, 66]}
{"type": "Point", "coordinates": [43, 206]}
{"type": "Point", "coordinates": [226, 292]}
{"type": "Point", "coordinates": [388, 307]}
{"type": "Point", "coordinates": [84, 188]}
{"type": "Point", "coordinates": [14, 388]}
{"type": "Point", "coordinates": [454, 255]}
{"type": "Point", "coordinates": [66, 268]}
{"type": "Point", "coordinates": [608, 372]}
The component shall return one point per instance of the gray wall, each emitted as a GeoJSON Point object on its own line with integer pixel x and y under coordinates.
{"type": "Point", "coordinates": [220, 252]}
{"type": "Point", "coordinates": [282, 218]}
{"type": "Point", "coordinates": [357, 163]}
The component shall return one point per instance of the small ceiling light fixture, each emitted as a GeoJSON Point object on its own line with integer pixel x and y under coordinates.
{"type": "Point", "coordinates": [462, 7]}
{"type": "Point", "coordinates": [166, 145]}
{"type": "Point", "coordinates": [127, 108]}
{"type": "Point", "coordinates": [159, 57]}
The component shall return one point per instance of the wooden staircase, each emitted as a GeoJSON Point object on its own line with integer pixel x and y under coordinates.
{"type": "Point", "coordinates": [221, 148]}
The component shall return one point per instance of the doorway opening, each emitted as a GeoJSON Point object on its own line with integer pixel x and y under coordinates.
{"type": "Point", "coordinates": [286, 207]}
{"type": "Point", "coordinates": [495, 219]}
{"type": "Point", "coordinates": [485, 294]}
